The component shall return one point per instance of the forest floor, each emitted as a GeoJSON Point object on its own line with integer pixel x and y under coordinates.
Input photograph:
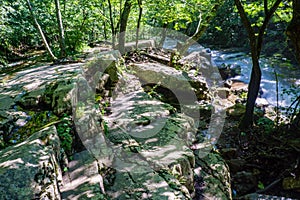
{"type": "Point", "coordinates": [264, 159]}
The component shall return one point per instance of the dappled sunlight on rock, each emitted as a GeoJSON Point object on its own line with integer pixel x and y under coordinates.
{"type": "Point", "coordinates": [30, 165]}
{"type": "Point", "coordinates": [12, 164]}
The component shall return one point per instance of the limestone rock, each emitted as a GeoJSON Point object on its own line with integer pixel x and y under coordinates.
{"type": "Point", "coordinates": [100, 64]}
{"type": "Point", "coordinates": [10, 121]}
{"type": "Point", "coordinates": [6, 102]}
{"type": "Point", "coordinates": [82, 180]}
{"type": "Point", "coordinates": [203, 64]}
{"type": "Point", "coordinates": [142, 44]}
{"type": "Point", "coordinates": [150, 146]}
{"type": "Point", "coordinates": [229, 71]}
{"type": "Point", "coordinates": [32, 100]}
{"type": "Point", "coordinates": [215, 176]}
{"type": "Point", "coordinates": [30, 170]}
{"type": "Point", "coordinates": [58, 96]}
{"type": "Point", "coordinates": [181, 84]}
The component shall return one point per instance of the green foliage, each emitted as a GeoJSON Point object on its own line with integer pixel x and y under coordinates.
{"type": "Point", "coordinates": [152, 91]}
{"type": "Point", "coordinates": [267, 124]}
{"type": "Point", "coordinates": [294, 108]}
{"type": "Point", "coordinates": [38, 121]}
{"type": "Point", "coordinates": [260, 185]}
{"type": "Point", "coordinates": [87, 21]}
{"type": "Point", "coordinates": [82, 20]}
{"type": "Point", "coordinates": [64, 131]}
{"type": "Point", "coordinates": [177, 14]}
{"type": "Point", "coordinates": [225, 29]}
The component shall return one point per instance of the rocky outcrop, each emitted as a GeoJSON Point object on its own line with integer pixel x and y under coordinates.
{"type": "Point", "coordinates": [151, 146]}
{"type": "Point", "coordinates": [229, 71]}
{"type": "Point", "coordinates": [142, 44]}
{"type": "Point", "coordinates": [142, 150]}
{"type": "Point", "coordinates": [31, 170]}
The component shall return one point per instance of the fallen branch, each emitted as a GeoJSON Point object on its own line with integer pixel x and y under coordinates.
{"type": "Point", "coordinates": [157, 58]}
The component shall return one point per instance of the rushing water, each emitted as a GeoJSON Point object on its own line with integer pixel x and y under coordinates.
{"type": "Point", "coordinates": [288, 76]}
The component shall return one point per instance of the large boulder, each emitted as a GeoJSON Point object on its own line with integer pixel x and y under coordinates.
{"type": "Point", "coordinates": [30, 170]}
{"type": "Point", "coordinates": [142, 44]}
{"type": "Point", "coordinates": [180, 83]}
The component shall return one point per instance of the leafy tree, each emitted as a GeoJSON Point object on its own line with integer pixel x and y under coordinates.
{"type": "Point", "coordinates": [225, 30]}
{"type": "Point", "coordinates": [112, 26]}
{"type": "Point", "coordinates": [202, 25]}
{"type": "Point", "coordinates": [256, 33]}
{"type": "Point", "coordinates": [40, 31]}
{"type": "Point", "coordinates": [174, 14]}
{"type": "Point", "coordinates": [16, 32]}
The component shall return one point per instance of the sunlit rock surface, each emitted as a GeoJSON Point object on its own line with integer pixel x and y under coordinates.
{"type": "Point", "coordinates": [150, 145]}
{"type": "Point", "coordinates": [179, 83]}
{"type": "Point", "coordinates": [30, 170]}
{"type": "Point", "coordinates": [82, 180]}
{"type": "Point", "coordinates": [142, 150]}
{"type": "Point", "coordinates": [27, 89]}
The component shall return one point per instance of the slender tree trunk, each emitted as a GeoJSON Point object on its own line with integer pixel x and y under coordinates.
{"type": "Point", "coordinates": [256, 40]}
{"type": "Point", "coordinates": [61, 30]}
{"type": "Point", "coordinates": [293, 29]}
{"type": "Point", "coordinates": [104, 22]}
{"type": "Point", "coordinates": [40, 31]}
{"type": "Point", "coordinates": [253, 90]}
{"type": "Point", "coordinates": [123, 25]}
{"type": "Point", "coordinates": [138, 22]}
{"type": "Point", "coordinates": [112, 27]}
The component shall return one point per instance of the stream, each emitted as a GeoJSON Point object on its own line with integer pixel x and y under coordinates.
{"type": "Point", "coordinates": [288, 75]}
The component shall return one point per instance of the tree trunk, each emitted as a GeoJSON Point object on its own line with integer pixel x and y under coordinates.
{"type": "Point", "coordinates": [256, 40]}
{"type": "Point", "coordinates": [123, 25]}
{"type": "Point", "coordinates": [293, 29]}
{"type": "Point", "coordinates": [61, 30]}
{"type": "Point", "coordinates": [253, 90]}
{"type": "Point", "coordinates": [138, 22]}
{"type": "Point", "coordinates": [104, 22]}
{"type": "Point", "coordinates": [112, 26]}
{"type": "Point", "coordinates": [40, 31]}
